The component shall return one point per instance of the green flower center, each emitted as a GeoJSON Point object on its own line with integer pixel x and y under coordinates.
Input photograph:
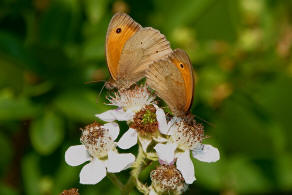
{"type": "Point", "coordinates": [149, 117]}
{"type": "Point", "coordinates": [145, 121]}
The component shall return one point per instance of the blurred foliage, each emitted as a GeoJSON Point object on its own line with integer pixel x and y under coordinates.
{"type": "Point", "coordinates": [241, 53]}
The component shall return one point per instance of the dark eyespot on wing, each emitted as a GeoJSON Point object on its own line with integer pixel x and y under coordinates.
{"type": "Point", "coordinates": [118, 30]}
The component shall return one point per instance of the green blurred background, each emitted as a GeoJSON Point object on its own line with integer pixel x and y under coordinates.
{"type": "Point", "coordinates": [50, 50]}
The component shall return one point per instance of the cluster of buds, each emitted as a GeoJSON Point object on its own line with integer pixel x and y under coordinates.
{"type": "Point", "coordinates": [169, 140]}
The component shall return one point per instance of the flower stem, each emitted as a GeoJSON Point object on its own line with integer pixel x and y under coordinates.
{"type": "Point", "coordinates": [137, 167]}
{"type": "Point", "coordinates": [115, 180]}
{"type": "Point", "coordinates": [129, 186]}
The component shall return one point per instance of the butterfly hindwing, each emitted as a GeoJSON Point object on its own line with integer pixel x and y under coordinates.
{"type": "Point", "coordinates": [141, 50]}
{"type": "Point", "coordinates": [172, 79]}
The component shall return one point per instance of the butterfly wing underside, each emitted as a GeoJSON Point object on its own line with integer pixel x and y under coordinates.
{"type": "Point", "coordinates": [172, 79]}
{"type": "Point", "coordinates": [141, 50]}
{"type": "Point", "coordinates": [121, 28]}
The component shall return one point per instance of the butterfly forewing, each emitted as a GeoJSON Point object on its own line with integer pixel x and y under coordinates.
{"type": "Point", "coordinates": [121, 28]}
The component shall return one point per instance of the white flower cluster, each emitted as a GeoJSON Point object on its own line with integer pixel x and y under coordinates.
{"type": "Point", "coordinates": [169, 140]}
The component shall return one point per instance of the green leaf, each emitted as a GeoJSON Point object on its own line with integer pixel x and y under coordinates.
{"type": "Point", "coordinates": [60, 23]}
{"type": "Point", "coordinates": [212, 77]}
{"type": "Point", "coordinates": [46, 185]}
{"type": "Point", "coordinates": [242, 129]}
{"type": "Point", "coordinates": [95, 9]}
{"type": "Point", "coordinates": [31, 174]}
{"type": "Point", "coordinates": [11, 46]}
{"type": "Point", "coordinates": [12, 108]}
{"type": "Point", "coordinates": [284, 171]}
{"type": "Point", "coordinates": [145, 173]}
{"type": "Point", "coordinates": [188, 11]}
{"type": "Point", "coordinates": [47, 132]}
{"type": "Point", "coordinates": [5, 151]}
{"type": "Point", "coordinates": [66, 176]}
{"type": "Point", "coordinates": [104, 187]}
{"type": "Point", "coordinates": [210, 175]}
{"type": "Point", "coordinates": [93, 49]}
{"type": "Point", "coordinates": [80, 105]}
{"type": "Point", "coordinates": [245, 177]}
{"type": "Point", "coordinates": [275, 99]}
{"type": "Point", "coordinates": [4, 189]}
{"type": "Point", "coordinates": [236, 174]}
{"type": "Point", "coordinates": [222, 19]}
{"type": "Point", "coordinates": [9, 67]}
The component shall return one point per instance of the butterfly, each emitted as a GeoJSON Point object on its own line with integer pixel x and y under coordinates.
{"type": "Point", "coordinates": [130, 49]}
{"type": "Point", "coordinates": [172, 79]}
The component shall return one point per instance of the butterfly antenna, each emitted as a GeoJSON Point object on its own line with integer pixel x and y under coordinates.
{"type": "Point", "coordinates": [90, 82]}
{"type": "Point", "coordinates": [101, 89]}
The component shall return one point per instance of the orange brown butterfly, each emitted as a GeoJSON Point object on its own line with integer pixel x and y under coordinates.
{"type": "Point", "coordinates": [130, 49]}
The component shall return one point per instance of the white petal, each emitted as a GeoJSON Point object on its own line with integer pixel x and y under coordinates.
{"type": "Point", "coordinates": [145, 143]}
{"type": "Point", "coordinates": [172, 126]}
{"type": "Point", "coordinates": [116, 114]}
{"type": "Point", "coordinates": [161, 119]}
{"type": "Point", "coordinates": [165, 152]}
{"type": "Point", "coordinates": [107, 116]}
{"type": "Point", "coordinates": [160, 139]}
{"type": "Point", "coordinates": [76, 155]}
{"type": "Point", "coordinates": [185, 165]}
{"type": "Point", "coordinates": [118, 162]}
{"type": "Point", "coordinates": [127, 116]}
{"type": "Point", "coordinates": [93, 172]}
{"type": "Point", "coordinates": [129, 139]}
{"type": "Point", "coordinates": [152, 191]}
{"type": "Point", "coordinates": [113, 128]}
{"type": "Point", "coordinates": [207, 153]}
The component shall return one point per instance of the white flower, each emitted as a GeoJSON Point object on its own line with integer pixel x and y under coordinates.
{"type": "Point", "coordinates": [183, 139]}
{"type": "Point", "coordinates": [167, 178]}
{"type": "Point", "coordinates": [145, 128]}
{"type": "Point", "coordinates": [98, 147]}
{"type": "Point", "coordinates": [128, 102]}
{"type": "Point", "coordinates": [152, 191]}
